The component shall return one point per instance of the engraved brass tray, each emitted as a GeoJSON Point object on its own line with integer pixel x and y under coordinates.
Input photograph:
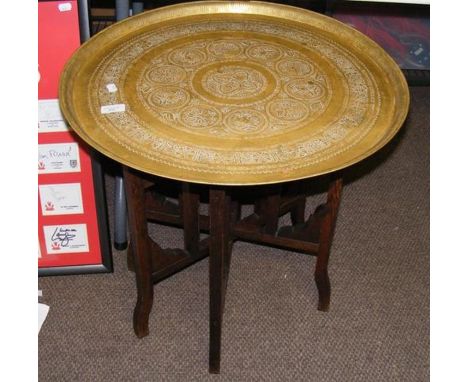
{"type": "Point", "coordinates": [233, 93]}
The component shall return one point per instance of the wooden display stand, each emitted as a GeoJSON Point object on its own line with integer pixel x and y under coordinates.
{"type": "Point", "coordinates": [152, 263]}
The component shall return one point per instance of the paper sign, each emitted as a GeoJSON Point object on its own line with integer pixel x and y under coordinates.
{"type": "Point", "coordinates": [66, 238]}
{"type": "Point", "coordinates": [61, 199]}
{"type": "Point", "coordinates": [42, 311]}
{"type": "Point", "coordinates": [117, 108]}
{"type": "Point", "coordinates": [65, 7]}
{"type": "Point", "coordinates": [50, 116]}
{"type": "Point", "coordinates": [57, 158]}
{"type": "Point", "coordinates": [111, 88]}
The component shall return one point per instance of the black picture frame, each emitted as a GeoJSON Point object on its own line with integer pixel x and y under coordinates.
{"type": "Point", "coordinates": [106, 265]}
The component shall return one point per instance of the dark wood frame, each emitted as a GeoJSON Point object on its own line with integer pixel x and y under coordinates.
{"type": "Point", "coordinates": [225, 225]}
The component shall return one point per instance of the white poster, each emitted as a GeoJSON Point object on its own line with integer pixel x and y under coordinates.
{"type": "Point", "coordinates": [58, 157]}
{"type": "Point", "coordinates": [61, 199]}
{"type": "Point", "coordinates": [50, 116]}
{"type": "Point", "coordinates": [66, 238]}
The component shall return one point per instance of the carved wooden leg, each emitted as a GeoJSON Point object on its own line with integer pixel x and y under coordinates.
{"type": "Point", "coordinates": [140, 250]}
{"type": "Point", "coordinates": [268, 207]}
{"type": "Point", "coordinates": [297, 212]}
{"type": "Point", "coordinates": [325, 239]}
{"type": "Point", "coordinates": [298, 208]}
{"type": "Point", "coordinates": [190, 208]}
{"type": "Point", "coordinates": [220, 214]}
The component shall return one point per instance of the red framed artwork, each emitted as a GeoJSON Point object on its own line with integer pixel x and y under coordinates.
{"type": "Point", "coordinates": [72, 222]}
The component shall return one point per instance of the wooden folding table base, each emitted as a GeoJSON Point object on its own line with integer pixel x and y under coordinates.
{"type": "Point", "coordinates": [152, 263]}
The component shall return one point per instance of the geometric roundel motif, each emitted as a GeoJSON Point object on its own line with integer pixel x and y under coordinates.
{"type": "Point", "coordinates": [233, 85]}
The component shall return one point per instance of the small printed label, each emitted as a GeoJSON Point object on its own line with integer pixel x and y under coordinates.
{"type": "Point", "coordinates": [50, 116]}
{"type": "Point", "coordinates": [61, 199]}
{"type": "Point", "coordinates": [117, 108]}
{"type": "Point", "coordinates": [65, 7]}
{"type": "Point", "coordinates": [56, 158]}
{"type": "Point", "coordinates": [66, 238]}
{"type": "Point", "coordinates": [111, 88]}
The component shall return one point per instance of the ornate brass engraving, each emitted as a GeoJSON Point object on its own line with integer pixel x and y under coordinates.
{"type": "Point", "coordinates": [234, 93]}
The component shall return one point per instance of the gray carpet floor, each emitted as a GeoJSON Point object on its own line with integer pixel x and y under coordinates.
{"type": "Point", "coordinates": [377, 328]}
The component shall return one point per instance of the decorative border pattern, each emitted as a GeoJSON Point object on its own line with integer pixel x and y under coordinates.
{"type": "Point", "coordinates": [354, 120]}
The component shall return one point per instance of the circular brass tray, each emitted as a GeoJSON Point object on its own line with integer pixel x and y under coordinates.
{"type": "Point", "coordinates": [233, 93]}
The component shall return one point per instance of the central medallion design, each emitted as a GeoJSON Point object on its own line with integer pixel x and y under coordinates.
{"type": "Point", "coordinates": [231, 87]}
{"type": "Point", "coordinates": [234, 82]}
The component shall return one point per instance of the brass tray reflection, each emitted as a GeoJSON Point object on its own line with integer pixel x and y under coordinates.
{"type": "Point", "coordinates": [233, 93]}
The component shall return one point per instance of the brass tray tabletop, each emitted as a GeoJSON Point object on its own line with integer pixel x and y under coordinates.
{"type": "Point", "coordinates": [233, 93]}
